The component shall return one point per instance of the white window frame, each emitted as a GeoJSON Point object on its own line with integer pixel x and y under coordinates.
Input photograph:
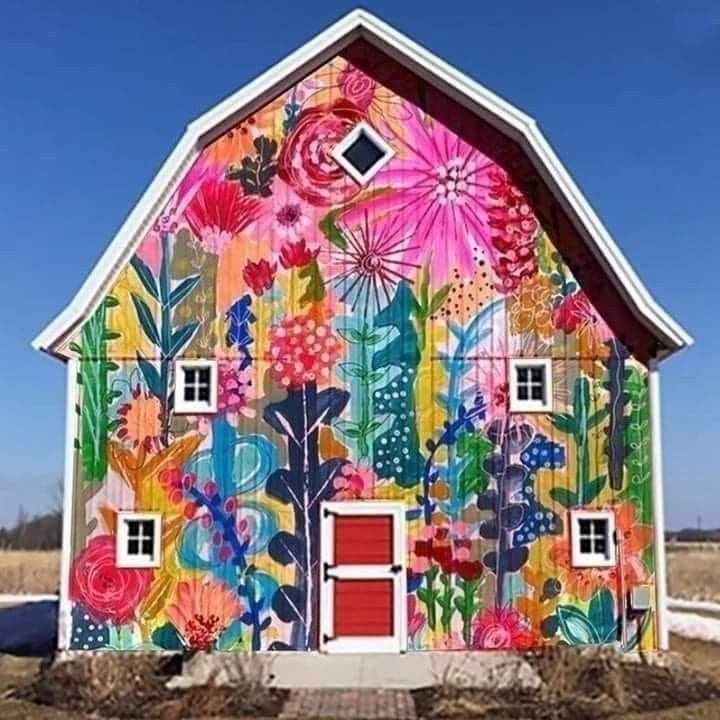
{"type": "Point", "coordinates": [123, 558]}
{"type": "Point", "coordinates": [581, 559]}
{"type": "Point", "coordinates": [338, 151]}
{"type": "Point", "coordinates": [195, 407]}
{"type": "Point", "coordinates": [530, 405]}
{"type": "Point", "coordinates": [370, 644]}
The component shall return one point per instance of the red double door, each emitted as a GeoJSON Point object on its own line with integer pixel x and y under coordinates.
{"type": "Point", "coordinates": [362, 599]}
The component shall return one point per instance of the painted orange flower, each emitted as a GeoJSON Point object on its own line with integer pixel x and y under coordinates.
{"type": "Point", "coordinates": [140, 420]}
{"type": "Point", "coordinates": [202, 611]}
{"type": "Point", "coordinates": [531, 305]}
{"type": "Point", "coordinates": [634, 539]}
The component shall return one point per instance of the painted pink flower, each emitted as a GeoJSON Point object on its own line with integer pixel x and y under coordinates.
{"type": "Point", "coordinates": [354, 482]}
{"type": "Point", "coordinates": [259, 276]}
{"type": "Point", "coordinates": [218, 211]}
{"type": "Point", "coordinates": [302, 350]}
{"type": "Point", "coordinates": [201, 612]}
{"type": "Point", "coordinates": [356, 86]}
{"type": "Point", "coordinates": [297, 254]}
{"type": "Point", "coordinates": [513, 228]}
{"type": "Point", "coordinates": [107, 592]}
{"type": "Point", "coordinates": [305, 160]}
{"type": "Point", "coordinates": [448, 192]}
{"type": "Point", "coordinates": [233, 385]}
{"type": "Point", "coordinates": [503, 628]}
{"type": "Point", "coordinates": [576, 314]}
{"type": "Point", "coordinates": [416, 619]}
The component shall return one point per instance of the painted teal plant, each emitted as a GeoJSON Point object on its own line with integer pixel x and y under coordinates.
{"type": "Point", "coordinates": [359, 373]}
{"type": "Point", "coordinates": [578, 425]}
{"type": "Point", "coordinates": [95, 425]}
{"type": "Point", "coordinates": [170, 341]}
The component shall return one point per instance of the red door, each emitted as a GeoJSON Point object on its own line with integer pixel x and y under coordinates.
{"type": "Point", "coordinates": [363, 594]}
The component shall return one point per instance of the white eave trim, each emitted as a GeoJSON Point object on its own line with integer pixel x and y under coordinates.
{"type": "Point", "coordinates": [436, 71]}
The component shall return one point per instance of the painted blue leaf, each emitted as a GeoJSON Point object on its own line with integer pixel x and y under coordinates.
{"type": "Point", "coordinates": [279, 486]}
{"type": "Point", "coordinates": [147, 321]}
{"type": "Point", "coordinates": [330, 403]}
{"type": "Point", "coordinates": [412, 515]}
{"type": "Point", "coordinates": [487, 500]}
{"type": "Point", "coordinates": [246, 618]}
{"type": "Point", "coordinates": [180, 338]}
{"type": "Point", "coordinates": [239, 318]}
{"type": "Point", "coordinates": [167, 637]}
{"type": "Point", "coordinates": [183, 290]}
{"type": "Point", "coordinates": [511, 516]}
{"type": "Point", "coordinates": [151, 376]}
{"type": "Point", "coordinates": [145, 276]}
{"type": "Point", "coordinates": [494, 464]}
{"type": "Point", "coordinates": [601, 614]}
{"type": "Point", "coordinates": [279, 646]}
{"type": "Point", "coordinates": [288, 603]}
{"type": "Point", "coordinates": [265, 624]}
{"type": "Point", "coordinates": [488, 529]}
{"type": "Point", "coordinates": [287, 549]}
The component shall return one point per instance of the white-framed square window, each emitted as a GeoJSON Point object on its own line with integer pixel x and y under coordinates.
{"type": "Point", "coordinates": [530, 385]}
{"type": "Point", "coordinates": [196, 386]}
{"type": "Point", "coordinates": [138, 539]}
{"type": "Point", "coordinates": [592, 535]}
{"type": "Point", "coordinates": [362, 153]}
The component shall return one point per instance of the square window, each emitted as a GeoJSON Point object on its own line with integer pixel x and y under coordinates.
{"type": "Point", "coordinates": [593, 538]}
{"type": "Point", "coordinates": [362, 153]}
{"type": "Point", "coordinates": [195, 387]}
{"type": "Point", "coordinates": [530, 385]}
{"type": "Point", "coordinates": [138, 540]}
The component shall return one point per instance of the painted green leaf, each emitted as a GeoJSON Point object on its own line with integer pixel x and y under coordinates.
{"type": "Point", "coordinates": [564, 423]}
{"type": "Point", "coordinates": [597, 417]}
{"type": "Point", "coordinates": [439, 298]}
{"type": "Point", "coordinates": [330, 230]}
{"type": "Point", "coordinates": [474, 448]}
{"type": "Point", "coordinates": [575, 627]}
{"type": "Point", "coordinates": [315, 286]}
{"type": "Point", "coordinates": [352, 369]}
{"type": "Point", "coordinates": [601, 614]}
{"type": "Point", "coordinates": [593, 488]}
{"type": "Point", "coordinates": [147, 322]}
{"type": "Point", "coordinates": [180, 338]}
{"type": "Point", "coordinates": [151, 376]}
{"type": "Point", "coordinates": [566, 498]}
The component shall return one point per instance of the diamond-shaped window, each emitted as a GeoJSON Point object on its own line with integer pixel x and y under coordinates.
{"type": "Point", "coordinates": [362, 153]}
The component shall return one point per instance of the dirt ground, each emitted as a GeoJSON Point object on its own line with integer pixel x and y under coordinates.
{"type": "Point", "coordinates": [586, 690]}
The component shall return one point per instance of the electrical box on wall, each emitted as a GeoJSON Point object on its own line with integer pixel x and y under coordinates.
{"type": "Point", "coordinates": [641, 598]}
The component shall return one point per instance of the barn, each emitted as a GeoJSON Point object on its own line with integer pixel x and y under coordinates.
{"type": "Point", "coordinates": [362, 371]}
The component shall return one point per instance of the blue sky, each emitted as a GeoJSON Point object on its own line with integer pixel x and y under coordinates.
{"type": "Point", "coordinates": [93, 96]}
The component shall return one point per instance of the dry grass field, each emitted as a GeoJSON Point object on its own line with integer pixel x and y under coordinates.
{"type": "Point", "coordinates": [29, 571]}
{"type": "Point", "coordinates": [693, 574]}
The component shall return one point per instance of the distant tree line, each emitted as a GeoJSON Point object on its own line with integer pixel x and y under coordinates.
{"type": "Point", "coordinates": [693, 535]}
{"type": "Point", "coordinates": [41, 532]}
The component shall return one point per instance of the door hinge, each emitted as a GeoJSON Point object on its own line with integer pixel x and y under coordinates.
{"type": "Point", "coordinates": [395, 569]}
{"type": "Point", "coordinates": [326, 574]}
{"type": "Point", "coordinates": [327, 638]}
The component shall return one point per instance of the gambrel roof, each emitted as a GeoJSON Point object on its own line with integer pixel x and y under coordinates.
{"type": "Point", "coordinates": [360, 24]}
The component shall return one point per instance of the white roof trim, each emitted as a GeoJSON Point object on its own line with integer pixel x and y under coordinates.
{"type": "Point", "coordinates": [321, 48]}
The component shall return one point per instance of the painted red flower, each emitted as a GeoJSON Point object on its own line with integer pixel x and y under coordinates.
{"type": "Point", "coordinates": [513, 226]}
{"type": "Point", "coordinates": [302, 350]}
{"type": "Point", "coordinates": [469, 569]}
{"type": "Point", "coordinates": [306, 162]}
{"type": "Point", "coordinates": [297, 254]}
{"type": "Point", "coordinates": [259, 276]}
{"type": "Point", "coordinates": [218, 212]}
{"type": "Point", "coordinates": [356, 86]}
{"type": "Point", "coordinates": [503, 628]}
{"type": "Point", "coordinates": [577, 314]}
{"type": "Point", "coordinates": [106, 591]}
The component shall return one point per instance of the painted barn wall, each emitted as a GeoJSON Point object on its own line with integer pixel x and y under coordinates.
{"type": "Point", "coordinates": [406, 298]}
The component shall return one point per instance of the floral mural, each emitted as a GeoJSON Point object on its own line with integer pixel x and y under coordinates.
{"type": "Point", "coordinates": [362, 335]}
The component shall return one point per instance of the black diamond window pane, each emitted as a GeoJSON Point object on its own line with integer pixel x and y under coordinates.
{"type": "Point", "coordinates": [522, 392]}
{"type": "Point", "coordinates": [537, 392]}
{"type": "Point", "coordinates": [522, 374]}
{"type": "Point", "coordinates": [148, 528]}
{"type": "Point", "coordinates": [189, 393]}
{"type": "Point", "coordinates": [133, 527]}
{"type": "Point", "coordinates": [600, 545]}
{"type": "Point", "coordinates": [537, 375]}
{"type": "Point", "coordinates": [147, 547]}
{"type": "Point", "coordinates": [204, 376]}
{"type": "Point", "coordinates": [585, 545]}
{"type": "Point", "coordinates": [600, 527]}
{"type": "Point", "coordinates": [133, 546]}
{"type": "Point", "coordinates": [363, 153]}
{"type": "Point", "coordinates": [189, 375]}
{"type": "Point", "coordinates": [585, 526]}
{"type": "Point", "coordinates": [204, 393]}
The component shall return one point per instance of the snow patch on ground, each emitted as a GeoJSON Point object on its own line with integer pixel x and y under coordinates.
{"type": "Point", "coordinates": [694, 627]}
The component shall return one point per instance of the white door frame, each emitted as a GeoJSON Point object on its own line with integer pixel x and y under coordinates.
{"type": "Point", "coordinates": [329, 643]}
